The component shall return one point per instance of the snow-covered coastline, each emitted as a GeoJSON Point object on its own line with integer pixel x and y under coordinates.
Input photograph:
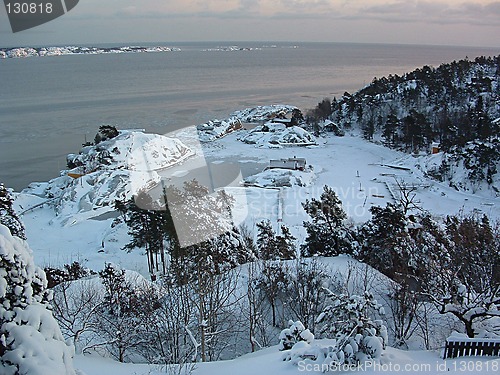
{"type": "Point", "coordinates": [362, 173]}
{"type": "Point", "coordinates": [21, 52]}
{"type": "Point", "coordinates": [72, 217]}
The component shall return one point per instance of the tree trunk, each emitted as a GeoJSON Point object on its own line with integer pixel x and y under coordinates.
{"type": "Point", "coordinates": [162, 249]}
{"type": "Point", "coordinates": [273, 308]}
{"type": "Point", "coordinates": [469, 329]}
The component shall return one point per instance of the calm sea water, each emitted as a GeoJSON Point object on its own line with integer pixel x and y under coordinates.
{"type": "Point", "coordinates": [50, 106]}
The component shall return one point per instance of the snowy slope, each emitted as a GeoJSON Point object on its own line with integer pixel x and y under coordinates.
{"type": "Point", "coordinates": [471, 169]}
{"type": "Point", "coordinates": [268, 361]}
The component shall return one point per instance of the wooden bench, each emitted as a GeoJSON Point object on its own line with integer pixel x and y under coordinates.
{"type": "Point", "coordinates": [471, 347]}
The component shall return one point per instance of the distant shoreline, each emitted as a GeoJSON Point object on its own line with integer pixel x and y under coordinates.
{"type": "Point", "coordinates": [23, 52]}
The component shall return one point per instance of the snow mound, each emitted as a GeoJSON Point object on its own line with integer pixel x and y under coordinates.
{"type": "Point", "coordinates": [274, 135]}
{"type": "Point", "coordinates": [281, 178]}
{"type": "Point", "coordinates": [29, 333]}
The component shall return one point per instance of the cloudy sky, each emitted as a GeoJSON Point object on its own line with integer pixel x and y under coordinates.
{"type": "Point", "coordinates": [439, 22]}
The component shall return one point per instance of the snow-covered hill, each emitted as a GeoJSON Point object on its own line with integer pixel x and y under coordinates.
{"type": "Point", "coordinates": [113, 169]}
{"type": "Point", "coordinates": [469, 169]}
{"type": "Point", "coordinates": [362, 173]}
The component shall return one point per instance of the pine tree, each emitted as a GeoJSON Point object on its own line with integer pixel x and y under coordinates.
{"type": "Point", "coordinates": [8, 216]}
{"type": "Point", "coordinates": [386, 244]}
{"type": "Point", "coordinates": [327, 234]}
{"type": "Point", "coordinates": [272, 246]}
{"type": "Point", "coordinates": [286, 244]}
{"type": "Point", "coordinates": [390, 129]}
{"type": "Point", "coordinates": [266, 241]}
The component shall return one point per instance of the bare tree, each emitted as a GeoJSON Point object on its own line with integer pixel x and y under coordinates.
{"type": "Point", "coordinates": [404, 306]}
{"type": "Point", "coordinates": [307, 291]}
{"type": "Point", "coordinates": [464, 280]}
{"type": "Point", "coordinates": [76, 305]}
{"type": "Point", "coordinates": [407, 196]}
{"type": "Point", "coordinates": [215, 299]}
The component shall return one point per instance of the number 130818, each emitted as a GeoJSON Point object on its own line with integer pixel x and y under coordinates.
{"type": "Point", "coordinates": [29, 8]}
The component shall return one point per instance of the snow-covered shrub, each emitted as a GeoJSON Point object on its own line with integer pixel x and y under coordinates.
{"type": "Point", "coordinates": [297, 332]}
{"type": "Point", "coordinates": [347, 320]}
{"type": "Point", "coordinates": [30, 339]}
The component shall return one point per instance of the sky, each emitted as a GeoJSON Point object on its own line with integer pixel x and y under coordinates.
{"type": "Point", "coordinates": [434, 22]}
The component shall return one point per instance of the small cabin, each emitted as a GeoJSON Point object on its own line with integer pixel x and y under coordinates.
{"type": "Point", "coordinates": [294, 164]}
{"type": "Point", "coordinates": [288, 122]}
{"type": "Point", "coordinates": [435, 148]}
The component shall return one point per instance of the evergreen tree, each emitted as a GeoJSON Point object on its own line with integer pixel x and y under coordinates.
{"type": "Point", "coordinates": [149, 227]}
{"type": "Point", "coordinates": [105, 133]}
{"type": "Point", "coordinates": [386, 244]}
{"type": "Point", "coordinates": [297, 117]}
{"type": "Point", "coordinates": [390, 129]}
{"type": "Point", "coordinates": [286, 244]}
{"type": "Point", "coordinates": [8, 216]}
{"type": "Point", "coordinates": [275, 247]}
{"type": "Point", "coordinates": [266, 241]}
{"type": "Point", "coordinates": [327, 234]}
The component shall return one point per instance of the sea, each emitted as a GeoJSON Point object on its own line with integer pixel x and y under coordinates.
{"type": "Point", "coordinates": [50, 106]}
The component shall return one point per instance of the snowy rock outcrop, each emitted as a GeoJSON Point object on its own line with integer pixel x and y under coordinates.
{"type": "Point", "coordinates": [31, 340]}
{"type": "Point", "coordinates": [215, 129]}
{"type": "Point", "coordinates": [281, 178]}
{"type": "Point", "coordinates": [263, 112]}
{"type": "Point", "coordinates": [275, 135]}
{"type": "Point", "coordinates": [115, 169]}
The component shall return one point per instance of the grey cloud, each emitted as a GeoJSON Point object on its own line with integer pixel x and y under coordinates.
{"type": "Point", "coordinates": [433, 12]}
{"type": "Point", "coordinates": [493, 8]}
